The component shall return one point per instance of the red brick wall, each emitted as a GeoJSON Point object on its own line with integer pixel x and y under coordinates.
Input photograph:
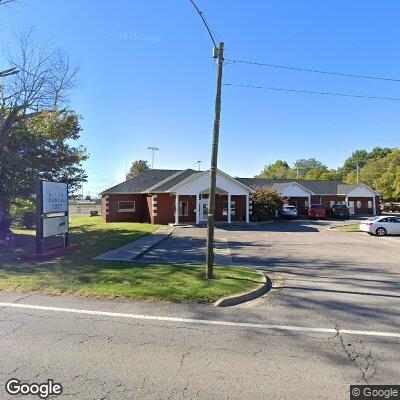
{"type": "Point", "coordinates": [326, 199]}
{"type": "Point", "coordinates": [220, 199]}
{"type": "Point", "coordinates": [191, 217]}
{"type": "Point", "coordinates": [364, 205]}
{"type": "Point", "coordinates": [113, 215]}
{"type": "Point", "coordinates": [165, 209]}
{"type": "Point", "coordinates": [240, 208]}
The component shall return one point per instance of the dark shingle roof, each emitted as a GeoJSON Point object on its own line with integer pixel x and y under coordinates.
{"type": "Point", "coordinates": [164, 186]}
{"type": "Point", "coordinates": [316, 186]}
{"type": "Point", "coordinates": [142, 182]}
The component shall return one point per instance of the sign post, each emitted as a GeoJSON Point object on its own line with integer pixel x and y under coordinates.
{"type": "Point", "coordinates": [52, 212]}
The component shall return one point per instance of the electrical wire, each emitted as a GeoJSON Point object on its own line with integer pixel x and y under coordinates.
{"type": "Point", "coordinates": [314, 92]}
{"type": "Point", "coordinates": [209, 30]}
{"type": "Point", "coordinates": [382, 78]}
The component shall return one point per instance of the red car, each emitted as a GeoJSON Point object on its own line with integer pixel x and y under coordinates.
{"type": "Point", "coordinates": [317, 211]}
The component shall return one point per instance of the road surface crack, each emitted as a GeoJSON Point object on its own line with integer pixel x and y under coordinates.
{"type": "Point", "coordinates": [365, 364]}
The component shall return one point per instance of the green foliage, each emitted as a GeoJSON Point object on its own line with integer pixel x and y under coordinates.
{"type": "Point", "coordinates": [23, 213]}
{"type": "Point", "coordinates": [278, 170]}
{"type": "Point", "coordinates": [40, 147]}
{"type": "Point", "coordinates": [137, 168]}
{"type": "Point", "coordinates": [265, 202]}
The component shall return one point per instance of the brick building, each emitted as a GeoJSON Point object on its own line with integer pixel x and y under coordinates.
{"type": "Point", "coordinates": [181, 196]}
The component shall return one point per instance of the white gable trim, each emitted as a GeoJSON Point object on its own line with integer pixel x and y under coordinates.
{"type": "Point", "coordinates": [194, 178]}
{"type": "Point", "coordinates": [286, 190]}
{"type": "Point", "coordinates": [370, 191]}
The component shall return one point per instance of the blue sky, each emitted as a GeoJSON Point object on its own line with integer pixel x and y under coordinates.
{"type": "Point", "coordinates": [147, 78]}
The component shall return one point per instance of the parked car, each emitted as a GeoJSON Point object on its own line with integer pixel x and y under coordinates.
{"type": "Point", "coordinates": [381, 226]}
{"type": "Point", "coordinates": [289, 211]}
{"type": "Point", "coordinates": [339, 211]}
{"type": "Point", "coordinates": [317, 211]}
{"type": "Point", "coordinates": [391, 207]}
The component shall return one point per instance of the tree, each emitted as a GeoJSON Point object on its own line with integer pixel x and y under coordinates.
{"type": "Point", "coordinates": [278, 170]}
{"type": "Point", "coordinates": [137, 168]}
{"type": "Point", "coordinates": [265, 202]}
{"type": "Point", "coordinates": [304, 166]}
{"type": "Point", "coordinates": [34, 128]}
{"type": "Point", "coordinates": [39, 148]}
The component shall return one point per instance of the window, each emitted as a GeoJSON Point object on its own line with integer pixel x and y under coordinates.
{"type": "Point", "coordinates": [358, 204]}
{"type": "Point", "coordinates": [225, 208]}
{"type": "Point", "coordinates": [369, 204]}
{"type": "Point", "coordinates": [183, 208]}
{"type": "Point", "coordinates": [126, 206]}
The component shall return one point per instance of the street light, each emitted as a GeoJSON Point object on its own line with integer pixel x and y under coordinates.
{"type": "Point", "coordinates": [153, 149]}
{"type": "Point", "coordinates": [199, 162]}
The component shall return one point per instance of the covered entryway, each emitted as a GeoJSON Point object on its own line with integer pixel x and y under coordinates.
{"type": "Point", "coordinates": [232, 197]}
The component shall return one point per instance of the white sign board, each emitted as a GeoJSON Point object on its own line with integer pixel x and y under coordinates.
{"type": "Point", "coordinates": [55, 226]}
{"type": "Point", "coordinates": [55, 197]}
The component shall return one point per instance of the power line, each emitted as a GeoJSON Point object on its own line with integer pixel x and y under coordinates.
{"type": "Point", "coordinates": [209, 30]}
{"type": "Point", "coordinates": [382, 78]}
{"type": "Point", "coordinates": [313, 92]}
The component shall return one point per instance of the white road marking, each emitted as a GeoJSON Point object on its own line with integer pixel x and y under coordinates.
{"type": "Point", "coordinates": [201, 321]}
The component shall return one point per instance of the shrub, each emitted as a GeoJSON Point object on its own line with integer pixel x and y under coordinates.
{"type": "Point", "coordinates": [22, 213]}
{"type": "Point", "coordinates": [265, 202]}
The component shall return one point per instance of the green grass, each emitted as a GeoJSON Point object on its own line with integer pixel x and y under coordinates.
{"type": "Point", "coordinates": [346, 228]}
{"type": "Point", "coordinates": [78, 274]}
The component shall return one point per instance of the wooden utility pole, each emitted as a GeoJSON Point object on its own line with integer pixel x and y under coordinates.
{"type": "Point", "coordinates": [213, 169]}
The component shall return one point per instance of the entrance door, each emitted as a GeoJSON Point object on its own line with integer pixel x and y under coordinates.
{"type": "Point", "coordinates": [351, 207]}
{"type": "Point", "coordinates": [203, 210]}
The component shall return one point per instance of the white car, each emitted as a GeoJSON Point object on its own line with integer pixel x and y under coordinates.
{"type": "Point", "coordinates": [381, 226]}
{"type": "Point", "coordinates": [289, 211]}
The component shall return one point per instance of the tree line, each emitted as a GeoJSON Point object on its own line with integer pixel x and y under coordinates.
{"type": "Point", "coordinates": [378, 168]}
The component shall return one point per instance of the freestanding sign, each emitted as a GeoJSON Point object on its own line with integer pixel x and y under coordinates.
{"type": "Point", "coordinates": [52, 212]}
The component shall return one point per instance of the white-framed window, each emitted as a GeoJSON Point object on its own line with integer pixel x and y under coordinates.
{"type": "Point", "coordinates": [369, 204]}
{"type": "Point", "coordinates": [126, 206]}
{"type": "Point", "coordinates": [183, 208]}
{"type": "Point", "coordinates": [358, 204]}
{"type": "Point", "coordinates": [225, 208]}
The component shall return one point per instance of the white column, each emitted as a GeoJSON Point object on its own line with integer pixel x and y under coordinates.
{"type": "Point", "coordinates": [374, 204]}
{"type": "Point", "coordinates": [197, 209]}
{"type": "Point", "coordinates": [247, 208]}
{"type": "Point", "coordinates": [176, 209]}
{"type": "Point", "coordinates": [229, 208]}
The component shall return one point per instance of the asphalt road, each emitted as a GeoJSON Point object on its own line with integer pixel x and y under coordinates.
{"type": "Point", "coordinates": [322, 280]}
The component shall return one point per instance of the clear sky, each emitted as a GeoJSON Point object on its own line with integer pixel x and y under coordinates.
{"type": "Point", "coordinates": [147, 78]}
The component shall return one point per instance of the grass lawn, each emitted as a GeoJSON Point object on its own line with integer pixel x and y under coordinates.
{"type": "Point", "coordinates": [77, 273]}
{"type": "Point", "coordinates": [346, 228]}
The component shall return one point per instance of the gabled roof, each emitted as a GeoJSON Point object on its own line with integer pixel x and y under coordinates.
{"type": "Point", "coordinates": [140, 183]}
{"type": "Point", "coordinates": [318, 187]}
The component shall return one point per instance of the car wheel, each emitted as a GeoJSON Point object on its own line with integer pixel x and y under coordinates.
{"type": "Point", "coordinates": [380, 232]}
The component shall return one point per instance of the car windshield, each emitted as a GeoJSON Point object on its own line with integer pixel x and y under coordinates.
{"type": "Point", "coordinates": [339, 206]}
{"type": "Point", "coordinates": [317, 206]}
{"type": "Point", "coordinates": [289, 207]}
{"type": "Point", "coordinates": [373, 218]}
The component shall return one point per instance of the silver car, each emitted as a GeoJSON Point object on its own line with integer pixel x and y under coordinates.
{"type": "Point", "coordinates": [381, 226]}
{"type": "Point", "coordinates": [289, 211]}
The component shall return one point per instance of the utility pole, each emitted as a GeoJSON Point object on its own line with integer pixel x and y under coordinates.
{"type": "Point", "coordinates": [219, 54]}
{"type": "Point", "coordinates": [199, 163]}
{"type": "Point", "coordinates": [153, 149]}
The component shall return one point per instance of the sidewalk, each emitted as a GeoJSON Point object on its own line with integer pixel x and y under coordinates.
{"type": "Point", "coordinates": [137, 248]}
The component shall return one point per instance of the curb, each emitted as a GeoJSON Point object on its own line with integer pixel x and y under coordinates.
{"type": "Point", "coordinates": [167, 235]}
{"type": "Point", "coordinates": [236, 299]}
